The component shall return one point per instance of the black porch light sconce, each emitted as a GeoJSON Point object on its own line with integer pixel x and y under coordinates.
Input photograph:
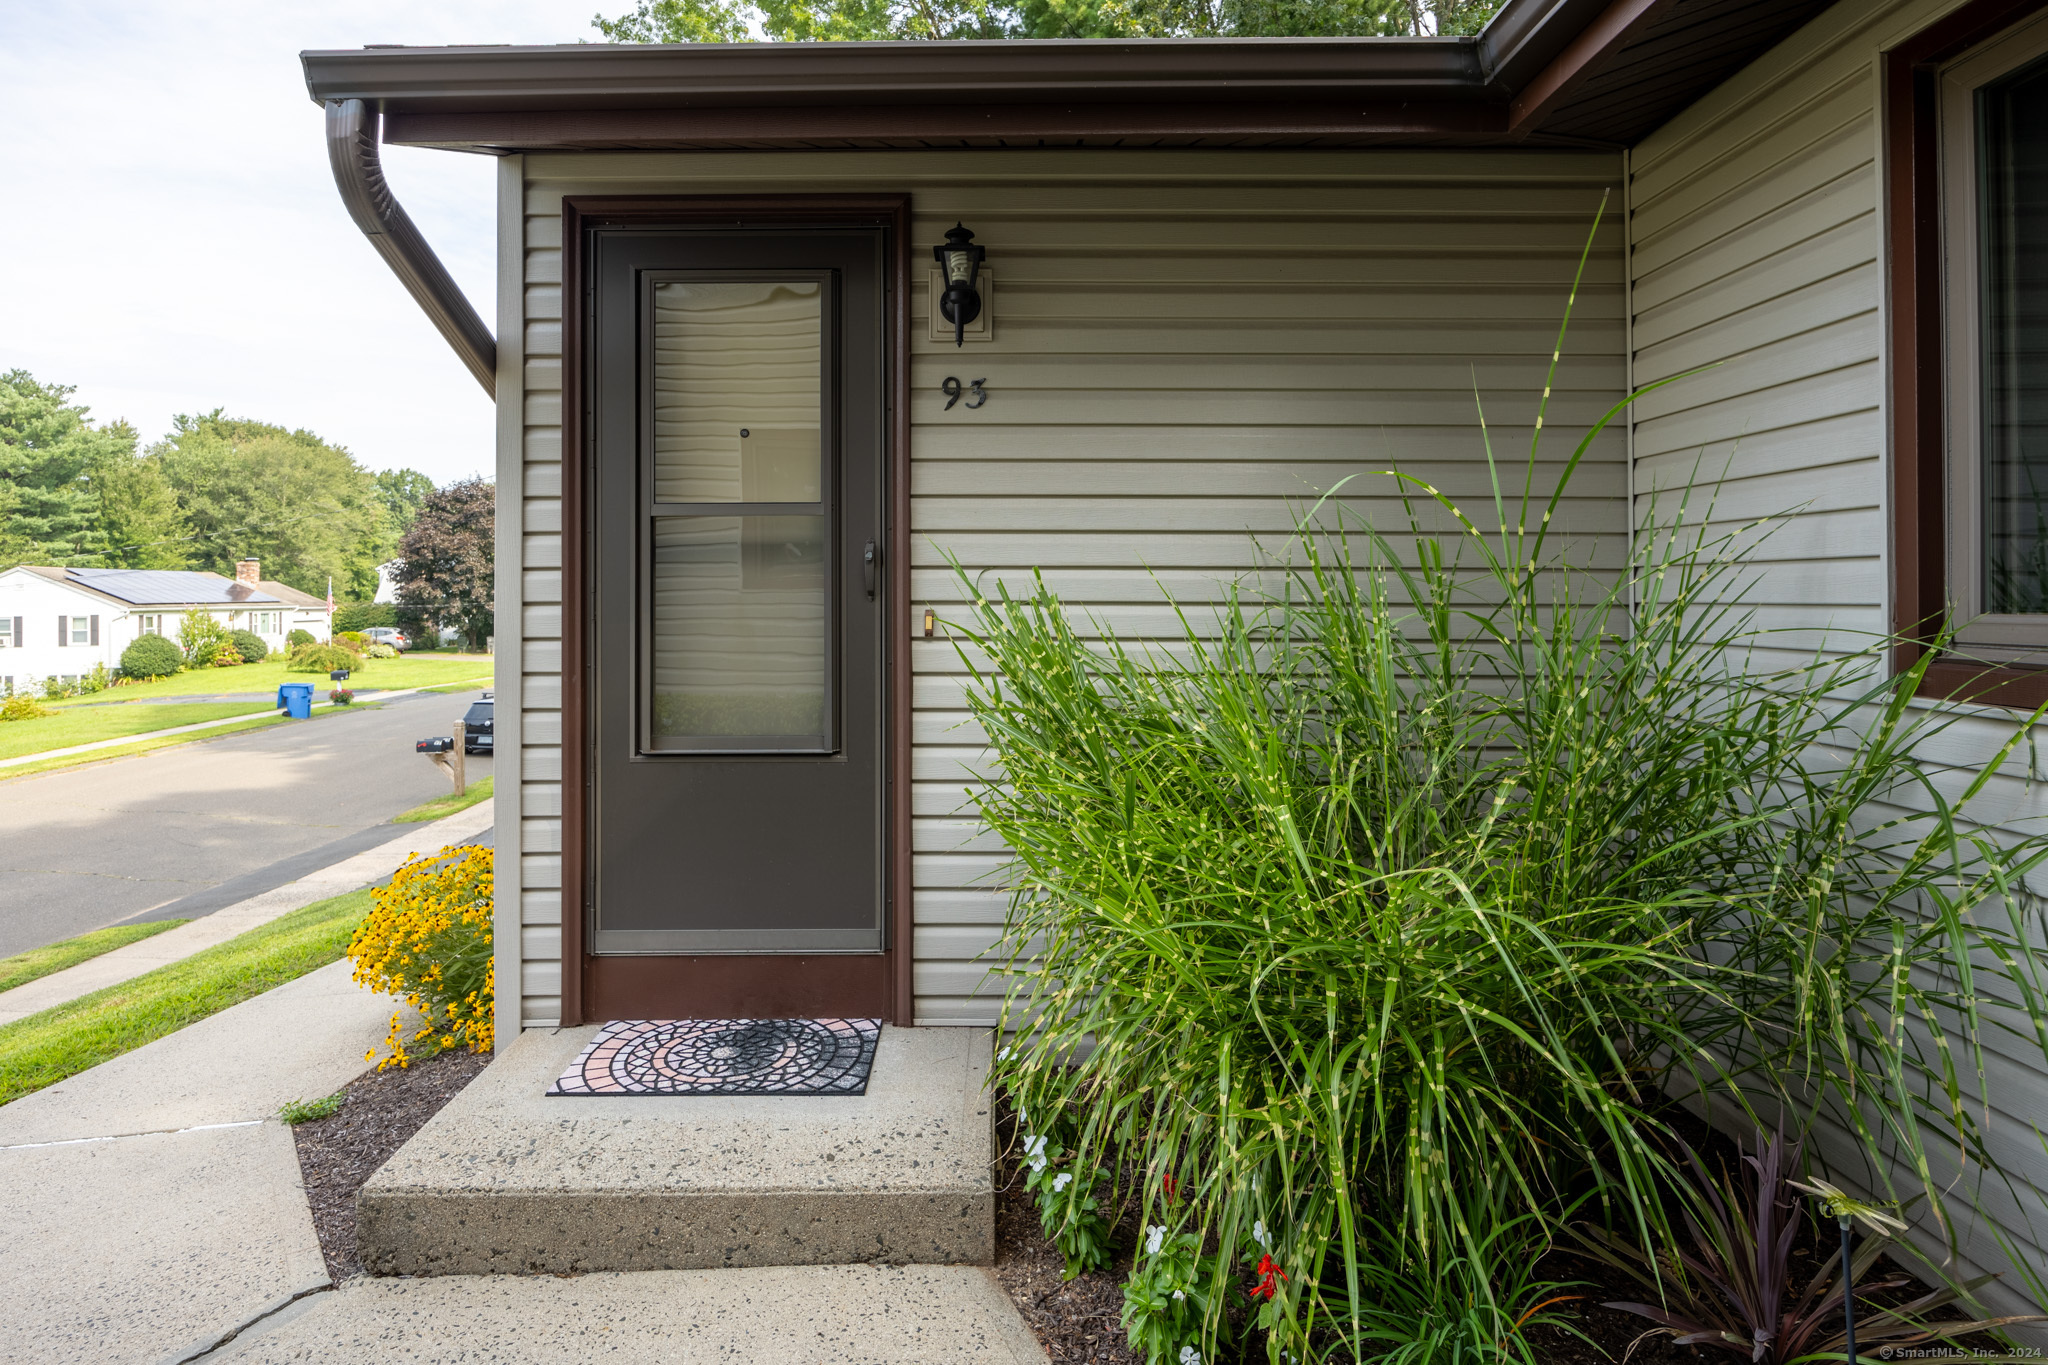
{"type": "Point", "coordinates": [961, 303]}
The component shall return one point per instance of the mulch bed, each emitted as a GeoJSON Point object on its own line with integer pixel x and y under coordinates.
{"type": "Point", "coordinates": [1076, 1320]}
{"type": "Point", "coordinates": [383, 1109]}
{"type": "Point", "coordinates": [1079, 1320]}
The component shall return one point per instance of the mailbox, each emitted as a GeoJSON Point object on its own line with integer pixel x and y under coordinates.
{"type": "Point", "coordinates": [434, 746]}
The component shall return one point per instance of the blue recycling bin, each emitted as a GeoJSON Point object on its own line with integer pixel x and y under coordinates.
{"type": "Point", "coordinates": [295, 700]}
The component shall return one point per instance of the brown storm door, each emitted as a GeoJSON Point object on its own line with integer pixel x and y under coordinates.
{"type": "Point", "coordinates": [734, 596]}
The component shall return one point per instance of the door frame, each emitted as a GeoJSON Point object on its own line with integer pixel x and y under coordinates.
{"type": "Point", "coordinates": [580, 215]}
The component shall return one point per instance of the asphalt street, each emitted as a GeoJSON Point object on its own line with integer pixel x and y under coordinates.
{"type": "Point", "coordinates": [190, 828]}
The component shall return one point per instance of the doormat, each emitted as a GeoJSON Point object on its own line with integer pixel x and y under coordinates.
{"type": "Point", "coordinates": [725, 1057]}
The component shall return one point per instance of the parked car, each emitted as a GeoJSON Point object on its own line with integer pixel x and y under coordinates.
{"type": "Point", "coordinates": [385, 635]}
{"type": "Point", "coordinates": [477, 726]}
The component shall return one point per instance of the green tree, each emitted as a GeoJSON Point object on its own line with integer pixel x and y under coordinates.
{"type": "Point", "coordinates": [733, 21]}
{"type": "Point", "coordinates": [49, 450]}
{"type": "Point", "coordinates": [306, 508]}
{"type": "Point", "coordinates": [139, 512]}
{"type": "Point", "coordinates": [403, 492]}
{"type": "Point", "coordinates": [444, 571]}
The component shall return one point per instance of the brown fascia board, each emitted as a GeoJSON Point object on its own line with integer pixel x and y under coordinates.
{"type": "Point", "coordinates": [924, 125]}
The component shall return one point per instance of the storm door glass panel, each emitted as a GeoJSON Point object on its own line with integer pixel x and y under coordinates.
{"type": "Point", "coordinates": [739, 632]}
{"type": "Point", "coordinates": [740, 606]}
{"type": "Point", "coordinates": [738, 386]}
{"type": "Point", "coordinates": [2013, 253]}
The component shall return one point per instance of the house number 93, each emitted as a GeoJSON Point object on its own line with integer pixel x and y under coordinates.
{"type": "Point", "coordinates": [976, 394]}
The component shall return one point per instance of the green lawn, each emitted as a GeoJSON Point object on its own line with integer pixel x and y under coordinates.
{"type": "Point", "coordinates": [83, 725]}
{"type": "Point", "coordinates": [408, 670]}
{"type": "Point", "coordinates": [23, 968]}
{"type": "Point", "coordinates": [447, 805]}
{"type": "Point", "coordinates": [45, 1048]}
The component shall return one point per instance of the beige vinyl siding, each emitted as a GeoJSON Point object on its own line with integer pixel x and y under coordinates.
{"type": "Point", "coordinates": [1755, 247]}
{"type": "Point", "coordinates": [1184, 341]}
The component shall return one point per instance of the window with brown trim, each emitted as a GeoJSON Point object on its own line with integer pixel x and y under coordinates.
{"type": "Point", "coordinates": [1967, 205]}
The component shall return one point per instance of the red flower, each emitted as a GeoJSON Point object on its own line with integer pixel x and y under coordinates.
{"type": "Point", "coordinates": [1269, 1272]}
{"type": "Point", "coordinates": [1172, 1188]}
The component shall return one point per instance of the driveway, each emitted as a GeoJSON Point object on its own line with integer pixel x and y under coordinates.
{"type": "Point", "coordinates": [188, 829]}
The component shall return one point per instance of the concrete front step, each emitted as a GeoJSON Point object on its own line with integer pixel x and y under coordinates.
{"type": "Point", "coordinates": [509, 1180]}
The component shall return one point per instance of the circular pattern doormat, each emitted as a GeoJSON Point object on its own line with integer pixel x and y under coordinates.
{"type": "Point", "coordinates": [725, 1057]}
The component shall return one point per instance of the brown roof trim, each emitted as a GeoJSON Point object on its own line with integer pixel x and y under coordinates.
{"type": "Point", "coordinates": [1295, 124]}
{"type": "Point", "coordinates": [1595, 43]}
{"type": "Point", "coordinates": [1557, 72]}
{"type": "Point", "coordinates": [594, 76]}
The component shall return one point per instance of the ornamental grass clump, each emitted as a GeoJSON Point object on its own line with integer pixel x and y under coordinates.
{"type": "Point", "coordinates": [427, 939]}
{"type": "Point", "coordinates": [1414, 882]}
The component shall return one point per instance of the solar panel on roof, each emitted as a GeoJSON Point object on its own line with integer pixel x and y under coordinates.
{"type": "Point", "coordinates": [153, 587]}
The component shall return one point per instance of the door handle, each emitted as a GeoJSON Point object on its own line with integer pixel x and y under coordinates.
{"type": "Point", "coordinates": [869, 559]}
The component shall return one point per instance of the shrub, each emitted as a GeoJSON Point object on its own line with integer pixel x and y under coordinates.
{"type": "Point", "coordinates": [341, 696]}
{"type": "Point", "coordinates": [427, 938]}
{"type": "Point", "coordinates": [1427, 869]}
{"type": "Point", "coordinates": [227, 657]}
{"type": "Point", "coordinates": [320, 659]}
{"type": "Point", "coordinates": [249, 645]}
{"type": "Point", "coordinates": [203, 637]}
{"type": "Point", "coordinates": [98, 680]}
{"type": "Point", "coordinates": [360, 616]}
{"type": "Point", "coordinates": [55, 688]}
{"type": "Point", "coordinates": [377, 650]}
{"type": "Point", "coordinates": [352, 639]}
{"type": "Point", "coordinates": [22, 706]}
{"type": "Point", "coordinates": [298, 637]}
{"type": "Point", "coordinates": [151, 656]}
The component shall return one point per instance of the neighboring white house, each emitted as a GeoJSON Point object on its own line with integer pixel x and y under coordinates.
{"type": "Point", "coordinates": [61, 622]}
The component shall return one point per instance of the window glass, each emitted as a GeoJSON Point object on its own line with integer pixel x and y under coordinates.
{"type": "Point", "coordinates": [740, 620]}
{"type": "Point", "coordinates": [737, 390]}
{"type": "Point", "coordinates": [81, 630]}
{"type": "Point", "coordinates": [2012, 220]}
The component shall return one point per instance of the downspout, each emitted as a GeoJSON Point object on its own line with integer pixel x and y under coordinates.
{"type": "Point", "coordinates": [354, 134]}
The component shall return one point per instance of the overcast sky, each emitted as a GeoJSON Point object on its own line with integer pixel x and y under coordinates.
{"type": "Point", "coordinates": [173, 241]}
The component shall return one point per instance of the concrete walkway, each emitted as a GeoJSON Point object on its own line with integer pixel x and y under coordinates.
{"type": "Point", "coordinates": [364, 868]}
{"type": "Point", "coordinates": [807, 1315]}
{"type": "Point", "coordinates": [153, 1206]}
{"type": "Point", "coordinates": [154, 1213]}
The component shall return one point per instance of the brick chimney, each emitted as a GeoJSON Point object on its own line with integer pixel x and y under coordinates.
{"type": "Point", "coordinates": [245, 572]}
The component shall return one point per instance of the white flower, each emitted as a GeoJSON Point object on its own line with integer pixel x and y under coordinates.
{"type": "Point", "coordinates": [1259, 1234]}
{"type": "Point", "coordinates": [1034, 1147]}
{"type": "Point", "coordinates": [1190, 1356]}
{"type": "Point", "coordinates": [1061, 1181]}
{"type": "Point", "coordinates": [1037, 1165]}
{"type": "Point", "coordinates": [1178, 1294]}
{"type": "Point", "coordinates": [1155, 1236]}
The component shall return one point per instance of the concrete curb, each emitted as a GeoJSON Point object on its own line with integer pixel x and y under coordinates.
{"type": "Point", "coordinates": [173, 945]}
{"type": "Point", "coordinates": [98, 744]}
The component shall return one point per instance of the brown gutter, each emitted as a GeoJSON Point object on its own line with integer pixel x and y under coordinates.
{"type": "Point", "coordinates": [591, 76]}
{"type": "Point", "coordinates": [352, 146]}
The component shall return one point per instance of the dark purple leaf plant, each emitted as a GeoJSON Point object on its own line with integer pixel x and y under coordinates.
{"type": "Point", "coordinates": [1733, 1289]}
